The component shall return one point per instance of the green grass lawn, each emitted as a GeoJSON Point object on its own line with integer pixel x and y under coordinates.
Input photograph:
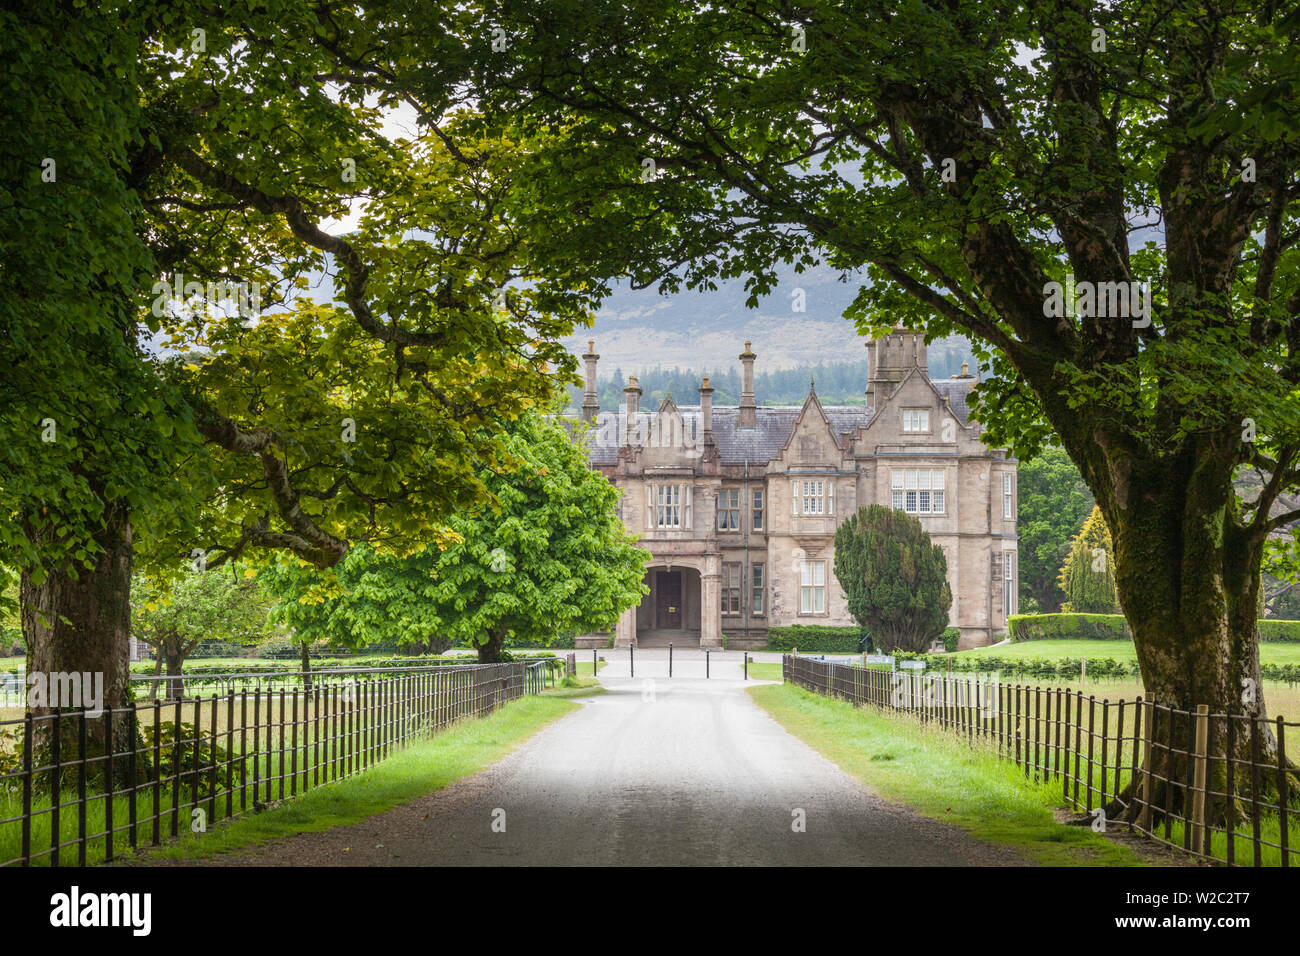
{"type": "Point", "coordinates": [584, 667]}
{"type": "Point", "coordinates": [1282, 698]}
{"type": "Point", "coordinates": [941, 777]}
{"type": "Point", "coordinates": [764, 670]}
{"type": "Point", "coordinates": [577, 686]}
{"type": "Point", "coordinates": [423, 767]}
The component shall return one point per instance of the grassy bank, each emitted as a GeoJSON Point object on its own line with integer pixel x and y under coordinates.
{"type": "Point", "coordinates": [459, 751]}
{"type": "Point", "coordinates": [584, 666]}
{"type": "Point", "coordinates": [575, 687]}
{"type": "Point", "coordinates": [941, 777]}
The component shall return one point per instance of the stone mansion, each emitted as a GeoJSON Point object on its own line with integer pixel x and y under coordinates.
{"type": "Point", "coordinates": [738, 506]}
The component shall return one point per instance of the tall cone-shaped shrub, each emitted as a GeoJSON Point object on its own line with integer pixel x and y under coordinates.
{"type": "Point", "coordinates": [1088, 575]}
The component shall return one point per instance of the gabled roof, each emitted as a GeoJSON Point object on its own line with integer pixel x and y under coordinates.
{"type": "Point", "coordinates": [774, 424]}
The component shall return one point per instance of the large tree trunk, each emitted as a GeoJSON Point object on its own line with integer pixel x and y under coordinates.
{"type": "Point", "coordinates": [82, 625]}
{"type": "Point", "coordinates": [175, 668]}
{"type": "Point", "coordinates": [489, 652]}
{"type": "Point", "coordinates": [1187, 574]}
{"type": "Point", "coordinates": [306, 666]}
{"type": "Point", "coordinates": [158, 656]}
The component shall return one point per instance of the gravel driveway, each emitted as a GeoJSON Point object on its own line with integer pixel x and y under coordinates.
{"type": "Point", "coordinates": [687, 772]}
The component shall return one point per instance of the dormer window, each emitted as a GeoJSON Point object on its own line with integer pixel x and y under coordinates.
{"type": "Point", "coordinates": [916, 419]}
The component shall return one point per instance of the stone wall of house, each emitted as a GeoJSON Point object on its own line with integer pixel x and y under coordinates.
{"type": "Point", "coordinates": [854, 468]}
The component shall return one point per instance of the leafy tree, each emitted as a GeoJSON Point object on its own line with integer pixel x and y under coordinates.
{"type": "Point", "coordinates": [175, 616]}
{"type": "Point", "coordinates": [894, 577]}
{"type": "Point", "coordinates": [1088, 575]}
{"type": "Point", "coordinates": [968, 164]}
{"type": "Point", "coordinates": [1052, 503]}
{"type": "Point", "coordinates": [549, 557]}
{"type": "Point", "coordinates": [211, 160]}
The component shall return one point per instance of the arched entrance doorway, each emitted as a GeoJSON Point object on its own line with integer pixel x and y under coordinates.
{"type": "Point", "coordinates": [671, 612]}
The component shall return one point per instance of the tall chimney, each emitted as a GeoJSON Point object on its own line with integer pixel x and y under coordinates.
{"type": "Point", "coordinates": [590, 400]}
{"type": "Point", "coordinates": [748, 414]}
{"type": "Point", "coordinates": [706, 411]}
{"type": "Point", "coordinates": [632, 405]}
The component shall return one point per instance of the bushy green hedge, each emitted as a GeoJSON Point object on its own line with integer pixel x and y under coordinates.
{"type": "Point", "coordinates": [1113, 627]}
{"type": "Point", "coordinates": [1066, 668]}
{"type": "Point", "coordinates": [1068, 627]}
{"type": "Point", "coordinates": [251, 666]}
{"type": "Point", "coordinates": [815, 637]}
{"type": "Point", "coordinates": [564, 642]}
{"type": "Point", "coordinates": [827, 639]}
{"type": "Point", "coordinates": [1287, 632]}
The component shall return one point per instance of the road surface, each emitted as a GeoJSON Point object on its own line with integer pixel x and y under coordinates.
{"type": "Point", "coordinates": [653, 772]}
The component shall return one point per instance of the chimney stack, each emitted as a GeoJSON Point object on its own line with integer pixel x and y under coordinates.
{"type": "Point", "coordinates": [748, 410]}
{"type": "Point", "coordinates": [706, 411]}
{"type": "Point", "coordinates": [590, 400]}
{"type": "Point", "coordinates": [632, 405]}
{"type": "Point", "coordinates": [890, 359]}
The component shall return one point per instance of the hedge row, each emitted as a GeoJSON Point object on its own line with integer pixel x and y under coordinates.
{"type": "Point", "coordinates": [826, 639]}
{"type": "Point", "coordinates": [1067, 668]}
{"type": "Point", "coordinates": [816, 637]}
{"type": "Point", "coordinates": [254, 666]}
{"type": "Point", "coordinates": [1113, 627]}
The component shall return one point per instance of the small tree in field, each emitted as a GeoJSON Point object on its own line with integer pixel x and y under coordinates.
{"type": "Point", "coordinates": [1088, 576]}
{"type": "Point", "coordinates": [175, 616]}
{"type": "Point", "coordinates": [894, 576]}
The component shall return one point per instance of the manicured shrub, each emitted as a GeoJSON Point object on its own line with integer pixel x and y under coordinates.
{"type": "Point", "coordinates": [1275, 630]}
{"type": "Point", "coordinates": [816, 637]}
{"type": "Point", "coordinates": [951, 637]}
{"type": "Point", "coordinates": [895, 579]}
{"type": "Point", "coordinates": [1068, 627]}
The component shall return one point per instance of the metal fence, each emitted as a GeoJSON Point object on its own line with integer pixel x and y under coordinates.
{"type": "Point", "coordinates": [85, 785]}
{"type": "Point", "coordinates": [1216, 786]}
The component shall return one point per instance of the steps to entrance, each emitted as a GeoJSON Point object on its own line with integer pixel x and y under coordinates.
{"type": "Point", "coordinates": [662, 637]}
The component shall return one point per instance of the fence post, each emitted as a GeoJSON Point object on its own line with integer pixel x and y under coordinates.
{"type": "Point", "coordinates": [746, 665]}
{"type": "Point", "coordinates": [1201, 749]}
{"type": "Point", "coordinates": [706, 661]}
{"type": "Point", "coordinates": [1255, 803]}
{"type": "Point", "coordinates": [1282, 795]}
{"type": "Point", "coordinates": [1148, 741]}
{"type": "Point", "coordinates": [670, 658]}
{"type": "Point", "coordinates": [631, 660]}
{"type": "Point", "coordinates": [27, 789]}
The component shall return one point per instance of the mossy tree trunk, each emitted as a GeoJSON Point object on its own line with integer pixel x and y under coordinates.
{"type": "Point", "coordinates": [79, 621]}
{"type": "Point", "coordinates": [489, 652]}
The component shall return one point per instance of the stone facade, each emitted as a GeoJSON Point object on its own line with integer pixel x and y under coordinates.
{"type": "Point", "coordinates": [739, 505]}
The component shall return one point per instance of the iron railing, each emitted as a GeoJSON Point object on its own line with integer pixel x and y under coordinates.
{"type": "Point", "coordinates": [79, 786]}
